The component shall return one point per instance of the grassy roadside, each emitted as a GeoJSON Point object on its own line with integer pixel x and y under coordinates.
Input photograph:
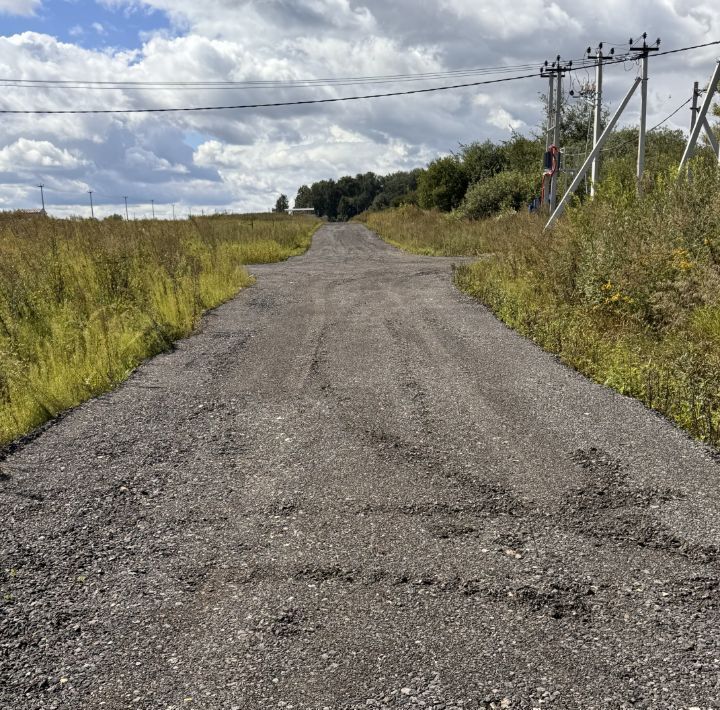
{"type": "Point", "coordinates": [625, 290]}
{"type": "Point", "coordinates": [83, 302]}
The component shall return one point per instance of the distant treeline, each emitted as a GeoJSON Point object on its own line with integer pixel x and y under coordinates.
{"type": "Point", "coordinates": [482, 179]}
{"type": "Point", "coordinates": [341, 200]}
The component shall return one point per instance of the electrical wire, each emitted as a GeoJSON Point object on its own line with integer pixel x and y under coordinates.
{"type": "Point", "coordinates": [267, 105]}
{"type": "Point", "coordinates": [260, 83]}
{"type": "Point", "coordinates": [582, 64]}
{"type": "Point", "coordinates": [667, 118]}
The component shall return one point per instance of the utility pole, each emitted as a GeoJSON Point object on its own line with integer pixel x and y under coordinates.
{"type": "Point", "coordinates": [92, 211]}
{"type": "Point", "coordinates": [643, 52]}
{"type": "Point", "coordinates": [127, 216]}
{"type": "Point", "coordinates": [556, 131]}
{"type": "Point", "coordinates": [550, 103]}
{"type": "Point", "coordinates": [597, 125]}
{"type": "Point", "coordinates": [42, 197]}
{"type": "Point", "coordinates": [554, 72]}
{"type": "Point", "coordinates": [173, 206]}
{"type": "Point", "coordinates": [701, 120]}
{"type": "Point", "coordinates": [152, 202]}
{"type": "Point", "coordinates": [694, 107]}
{"type": "Point", "coordinates": [580, 174]}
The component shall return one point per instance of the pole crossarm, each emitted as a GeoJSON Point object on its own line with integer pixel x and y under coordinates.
{"type": "Point", "coordinates": [701, 118]}
{"type": "Point", "coordinates": [593, 154]}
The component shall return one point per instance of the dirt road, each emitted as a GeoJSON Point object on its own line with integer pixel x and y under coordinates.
{"type": "Point", "coordinates": [355, 488]}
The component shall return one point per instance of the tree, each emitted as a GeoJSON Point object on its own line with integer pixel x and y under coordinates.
{"type": "Point", "coordinates": [482, 160]}
{"type": "Point", "coordinates": [325, 197]}
{"type": "Point", "coordinates": [397, 189]}
{"type": "Point", "coordinates": [282, 204]}
{"type": "Point", "coordinates": [523, 154]}
{"type": "Point", "coordinates": [442, 186]}
{"type": "Point", "coordinates": [304, 197]}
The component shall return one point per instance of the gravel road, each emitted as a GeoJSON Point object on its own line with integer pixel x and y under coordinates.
{"type": "Point", "coordinates": [355, 488]}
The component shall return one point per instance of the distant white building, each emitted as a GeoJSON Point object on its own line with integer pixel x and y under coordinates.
{"type": "Point", "coordinates": [301, 210]}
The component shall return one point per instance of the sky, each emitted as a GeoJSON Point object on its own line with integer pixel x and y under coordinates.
{"type": "Point", "coordinates": [243, 159]}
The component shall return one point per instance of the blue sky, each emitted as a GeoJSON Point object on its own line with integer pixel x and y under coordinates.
{"type": "Point", "coordinates": [243, 159]}
{"type": "Point", "coordinates": [90, 24]}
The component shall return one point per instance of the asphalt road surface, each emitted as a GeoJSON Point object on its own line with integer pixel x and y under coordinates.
{"type": "Point", "coordinates": [355, 488]}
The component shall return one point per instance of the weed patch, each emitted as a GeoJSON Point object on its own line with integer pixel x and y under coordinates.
{"type": "Point", "coordinates": [625, 289]}
{"type": "Point", "coordinates": [83, 302]}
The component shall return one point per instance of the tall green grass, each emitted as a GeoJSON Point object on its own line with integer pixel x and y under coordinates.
{"type": "Point", "coordinates": [625, 289]}
{"type": "Point", "coordinates": [83, 302]}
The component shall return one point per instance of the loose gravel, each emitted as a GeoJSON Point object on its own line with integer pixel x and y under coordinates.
{"type": "Point", "coordinates": [355, 488]}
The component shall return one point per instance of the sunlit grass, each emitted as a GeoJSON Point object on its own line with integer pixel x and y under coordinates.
{"type": "Point", "coordinates": [83, 302]}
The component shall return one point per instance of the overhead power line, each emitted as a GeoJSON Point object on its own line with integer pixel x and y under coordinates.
{"type": "Point", "coordinates": [576, 66]}
{"type": "Point", "coordinates": [272, 104]}
{"type": "Point", "coordinates": [667, 118]}
{"type": "Point", "coordinates": [264, 83]}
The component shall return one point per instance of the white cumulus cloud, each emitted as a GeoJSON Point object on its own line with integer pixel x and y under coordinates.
{"type": "Point", "coordinates": [241, 159]}
{"type": "Point", "coordinates": [26, 154]}
{"type": "Point", "coordinates": [20, 7]}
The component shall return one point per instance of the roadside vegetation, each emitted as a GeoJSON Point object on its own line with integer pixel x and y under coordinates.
{"type": "Point", "coordinates": [83, 302]}
{"type": "Point", "coordinates": [624, 289]}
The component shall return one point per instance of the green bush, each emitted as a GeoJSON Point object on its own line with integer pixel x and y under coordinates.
{"type": "Point", "coordinates": [442, 186]}
{"type": "Point", "coordinates": [508, 190]}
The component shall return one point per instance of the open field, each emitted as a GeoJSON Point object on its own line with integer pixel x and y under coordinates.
{"type": "Point", "coordinates": [82, 302]}
{"type": "Point", "coordinates": [625, 290]}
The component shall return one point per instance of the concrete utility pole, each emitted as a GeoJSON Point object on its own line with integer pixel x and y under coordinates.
{"type": "Point", "coordinates": [92, 211]}
{"type": "Point", "coordinates": [643, 52]}
{"type": "Point", "coordinates": [597, 125]}
{"type": "Point", "coordinates": [173, 208]}
{"type": "Point", "coordinates": [550, 109]}
{"type": "Point", "coordinates": [556, 131]}
{"type": "Point", "coordinates": [42, 196]}
{"type": "Point", "coordinates": [593, 154]}
{"type": "Point", "coordinates": [152, 202]}
{"type": "Point", "coordinates": [694, 107]}
{"type": "Point", "coordinates": [556, 72]}
{"type": "Point", "coordinates": [127, 216]}
{"type": "Point", "coordinates": [701, 121]}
